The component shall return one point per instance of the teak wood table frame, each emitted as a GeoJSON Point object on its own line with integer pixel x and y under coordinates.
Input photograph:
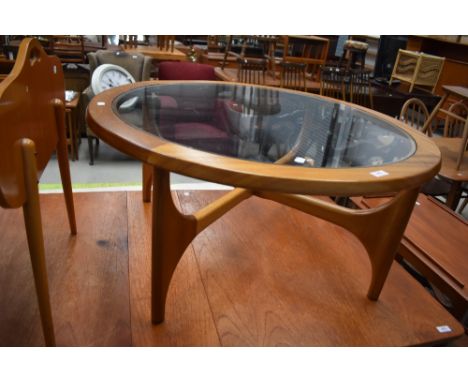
{"type": "Point", "coordinates": [379, 229]}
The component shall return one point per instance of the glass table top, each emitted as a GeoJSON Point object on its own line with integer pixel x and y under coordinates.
{"type": "Point", "coordinates": [264, 124]}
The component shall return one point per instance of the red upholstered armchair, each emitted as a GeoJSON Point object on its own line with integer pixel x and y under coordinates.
{"type": "Point", "coordinates": [192, 120]}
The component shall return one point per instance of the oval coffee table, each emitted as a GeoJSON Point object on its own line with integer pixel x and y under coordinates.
{"type": "Point", "coordinates": [277, 144]}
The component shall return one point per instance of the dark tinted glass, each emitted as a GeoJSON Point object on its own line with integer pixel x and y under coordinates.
{"type": "Point", "coordinates": [264, 124]}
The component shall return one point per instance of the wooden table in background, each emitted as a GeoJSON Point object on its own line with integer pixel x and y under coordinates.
{"type": "Point", "coordinates": [158, 54]}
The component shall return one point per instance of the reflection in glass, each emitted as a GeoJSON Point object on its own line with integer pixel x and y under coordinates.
{"type": "Point", "coordinates": [264, 124]}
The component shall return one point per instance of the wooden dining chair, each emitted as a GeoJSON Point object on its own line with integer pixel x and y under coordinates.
{"type": "Point", "coordinates": [165, 42]}
{"type": "Point", "coordinates": [293, 75]}
{"type": "Point", "coordinates": [414, 113]}
{"type": "Point", "coordinates": [252, 71]}
{"type": "Point", "coordinates": [360, 92]}
{"type": "Point", "coordinates": [332, 82]}
{"type": "Point", "coordinates": [455, 122]}
{"type": "Point", "coordinates": [32, 127]}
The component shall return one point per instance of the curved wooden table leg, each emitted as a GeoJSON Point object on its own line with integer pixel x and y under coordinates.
{"type": "Point", "coordinates": [173, 231]}
{"type": "Point", "coordinates": [32, 220]}
{"type": "Point", "coordinates": [147, 175]}
{"type": "Point", "coordinates": [383, 237]}
{"type": "Point", "coordinates": [379, 229]}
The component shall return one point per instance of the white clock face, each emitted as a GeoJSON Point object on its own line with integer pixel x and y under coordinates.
{"type": "Point", "coordinates": [113, 78]}
{"type": "Point", "coordinates": [109, 76]}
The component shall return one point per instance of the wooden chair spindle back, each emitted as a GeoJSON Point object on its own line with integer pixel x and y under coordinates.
{"type": "Point", "coordinates": [414, 113]}
{"type": "Point", "coordinates": [293, 75]}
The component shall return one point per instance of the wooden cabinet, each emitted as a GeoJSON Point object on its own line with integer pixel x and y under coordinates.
{"type": "Point", "coordinates": [455, 70]}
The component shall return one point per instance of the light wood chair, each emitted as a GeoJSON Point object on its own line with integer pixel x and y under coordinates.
{"type": "Point", "coordinates": [459, 93]}
{"type": "Point", "coordinates": [32, 127]}
{"type": "Point", "coordinates": [293, 75]}
{"type": "Point", "coordinates": [414, 113]}
{"type": "Point", "coordinates": [454, 126]}
{"type": "Point", "coordinates": [252, 72]}
{"type": "Point", "coordinates": [417, 69]}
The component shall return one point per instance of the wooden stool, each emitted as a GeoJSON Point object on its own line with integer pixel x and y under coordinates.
{"type": "Point", "coordinates": [354, 51]}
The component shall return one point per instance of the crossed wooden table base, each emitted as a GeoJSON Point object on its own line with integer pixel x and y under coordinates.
{"type": "Point", "coordinates": [379, 229]}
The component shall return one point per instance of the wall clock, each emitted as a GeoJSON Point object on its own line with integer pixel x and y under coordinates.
{"type": "Point", "coordinates": [107, 76]}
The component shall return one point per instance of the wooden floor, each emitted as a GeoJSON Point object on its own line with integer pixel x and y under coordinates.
{"type": "Point", "coordinates": [262, 275]}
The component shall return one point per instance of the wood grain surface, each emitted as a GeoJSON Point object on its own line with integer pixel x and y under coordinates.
{"type": "Point", "coordinates": [435, 243]}
{"type": "Point", "coordinates": [275, 276]}
{"type": "Point", "coordinates": [262, 275]}
{"type": "Point", "coordinates": [188, 316]}
{"type": "Point", "coordinates": [88, 274]}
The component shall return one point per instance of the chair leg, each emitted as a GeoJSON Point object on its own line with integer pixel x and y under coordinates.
{"type": "Point", "coordinates": [32, 219]}
{"type": "Point", "coordinates": [97, 147]}
{"type": "Point", "coordinates": [64, 167]}
{"type": "Point", "coordinates": [91, 152]}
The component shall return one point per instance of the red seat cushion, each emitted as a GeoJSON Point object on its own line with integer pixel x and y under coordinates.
{"type": "Point", "coordinates": [173, 70]}
{"type": "Point", "coordinates": [197, 131]}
